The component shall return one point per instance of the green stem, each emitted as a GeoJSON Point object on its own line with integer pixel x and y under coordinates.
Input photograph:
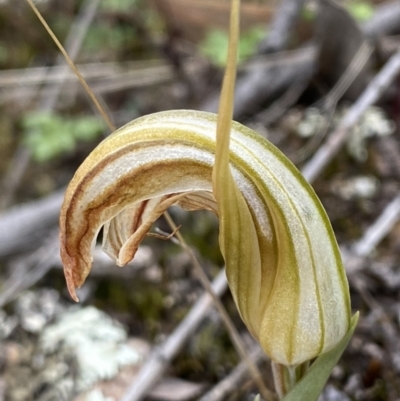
{"type": "Point", "coordinates": [286, 377]}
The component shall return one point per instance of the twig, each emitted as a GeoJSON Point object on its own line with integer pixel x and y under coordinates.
{"type": "Point", "coordinates": [361, 249]}
{"type": "Point", "coordinates": [232, 331]}
{"type": "Point", "coordinates": [73, 45]}
{"type": "Point", "coordinates": [134, 79]}
{"type": "Point", "coordinates": [161, 357]}
{"type": "Point", "coordinates": [117, 82]}
{"type": "Point", "coordinates": [48, 100]}
{"type": "Point", "coordinates": [282, 26]}
{"type": "Point", "coordinates": [231, 382]}
{"type": "Point", "coordinates": [330, 101]}
{"type": "Point", "coordinates": [23, 226]}
{"type": "Point", "coordinates": [350, 74]}
{"type": "Point", "coordinates": [370, 95]}
{"type": "Point", "coordinates": [389, 330]}
{"type": "Point", "coordinates": [379, 229]}
{"type": "Point", "coordinates": [266, 80]}
{"type": "Point", "coordinates": [262, 84]}
{"type": "Point", "coordinates": [386, 20]}
{"type": "Point", "coordinates": [29, 271]}
{"type": "Point", "coordinates": [278, 108]}
{"type": "Point", "coordinates": [72, 65]}
{"type": "Point", "coordinates": [354, 257]}
{"type": "Point", "coordinates": [50, 75]}
{"type": "Point", "coordinates": [13, 175]}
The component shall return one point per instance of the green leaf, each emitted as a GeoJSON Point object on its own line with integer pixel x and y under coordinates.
{"type": "Point", "coordinates": [311, 385]}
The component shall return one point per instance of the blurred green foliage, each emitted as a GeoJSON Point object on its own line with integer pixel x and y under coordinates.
{"type": "Point", "coordinates": [100, 37]}
{"type": "Point", "coordinates": [215, 45]}
{"type": "Point", "coordinates": [309, 13]}
{"type": "Point", "coordinates": [360, 10]}
{"type": "Point", "coordinates": [118, 5]}
{"type": "Point", "coordinates": [49, 135]}
{"type": "Point", "coordinates": [120, 31]}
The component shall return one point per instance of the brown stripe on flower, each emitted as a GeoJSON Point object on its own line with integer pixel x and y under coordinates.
{"type": "Point", "coordinates": [79, 233]}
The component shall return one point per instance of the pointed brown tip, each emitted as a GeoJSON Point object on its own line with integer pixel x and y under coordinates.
{"type": "Point", "coordinates": [74, 296]}
{"type": "Point", "coordinates": [72, 289]}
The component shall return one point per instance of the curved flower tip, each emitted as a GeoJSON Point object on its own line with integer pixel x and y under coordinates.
{"type": "Point", "coordinates": [282, 260]}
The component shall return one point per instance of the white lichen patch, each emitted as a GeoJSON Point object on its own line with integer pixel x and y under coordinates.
{"type": "Point", "coordinates": [36, 309]}
{"type": "Point", "coordinates": [96, 342]}
{"type": "Point", "coordinates": [373, 123]}
{"type": "Point", "coordinates": [312, 123]}
{"type": "Point", "coordinates": [97, 395]}
{"type": "Point", "coordinates": [359, 187]}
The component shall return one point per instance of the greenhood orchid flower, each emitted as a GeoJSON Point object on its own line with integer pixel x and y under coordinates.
{"type": "Point", "coordinates": [282, 260]}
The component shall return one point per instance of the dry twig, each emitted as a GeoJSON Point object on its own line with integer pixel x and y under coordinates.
{"type": "Point", "coordinates": [162, 355]}
{"type": "Point", "coordinates": [48, 100]}
{"type": "Point", "coordinates": [263, 84]}
{"type": "Point", "coordinates": [370, 95]}
{"type": "Point", "coordinates": [379, 229]}
{"type": "Point", "coordinates": [329, 102]}
{"type": "Point", "coordinates": [232, 331]}
{"type": "Point", "coordinates": [103, 78]}
{"type": "Point", "coordinates": [386, 20]}
{"type": "Point", "coordinates": [268, 79]}
{"type": "Point", "coordinates": [231, 382]}
{"type": "Point", "coordinates": [23, 276]}
{"type": "Point", "coordinates": [24, 226]}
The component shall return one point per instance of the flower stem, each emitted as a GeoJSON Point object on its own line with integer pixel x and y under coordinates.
{"type": "Point", "coordinates": [286, 377]}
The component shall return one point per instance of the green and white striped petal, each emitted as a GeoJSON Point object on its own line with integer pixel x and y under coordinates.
{"type": "Point", "coordinates": [282, 261]}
